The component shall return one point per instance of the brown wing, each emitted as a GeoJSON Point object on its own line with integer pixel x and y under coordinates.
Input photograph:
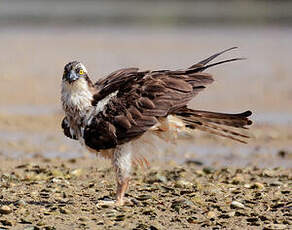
{"type": "Point", "coordinates": [66, 129]}
{"type": "Point", "coordinates": [138, 104]}
{"type": "Point", "coordinates": [113, 82]}
{"type": "Point", "coordinates": [142, 98]}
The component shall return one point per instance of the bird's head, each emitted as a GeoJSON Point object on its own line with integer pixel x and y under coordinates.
{"type": "Point", "coordinates": [74, 71]}
{"type": "Point", "coordinates": [77, 89]}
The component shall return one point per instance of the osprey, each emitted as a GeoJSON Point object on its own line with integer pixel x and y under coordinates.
{"type": "Point", "coordinates": [110, 115]}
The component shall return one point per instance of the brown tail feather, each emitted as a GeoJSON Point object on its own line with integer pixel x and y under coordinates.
{"type": "Point", "coordinates": [202, 65]}
{"type": "Point", "coordinates": [207, 60]}
{"type": "Point", "coordinates": [221, 124]}
{"type": "Point", "coordinates": [218, 133]}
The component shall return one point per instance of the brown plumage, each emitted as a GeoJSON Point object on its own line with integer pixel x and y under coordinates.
{"type": "Point", "coordinates": [108, 115]}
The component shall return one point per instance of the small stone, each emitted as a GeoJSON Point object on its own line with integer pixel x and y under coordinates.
{"type": "Point", "coordinates": [247, 186]}
{"type": "Point", "coordinates": [108, 222]}
{"type": "Point", "coordinates": [56, 180]}
{"type": "Point", "coordinates": [65, 211]}
{"type": "Point", "coordinates": [237, 180]}
{"type": "Point", "coordinates": [211, 214]}
{"type": "Point", "coordinates": [153, 228]}
{"type": "Point", "coordinates": [268, 173]}
{"type": "Point", "coordinates": [231, 214]}
{"type": "Point", "coordinates": [40, 223]}
{"type": "Point", "coordinates": [120, 218]}
{"type": "Point", "coordinates": [34, 193]}
{"type": "Point", "coordinates": [90, 185]}
{"type": "Point", "coordinates": [149, 212]}
{"type": "Point", "coordinates": [258, 185]}
{"type": "Point", "coordinates": [236, 204]}
{"type": "Point", "coordinates": [252, 219]}
{"type": "Point", "coordinates": [57, 173]}
{"type": "Point", "coordinates": [76, 172]}
{"type": "Point", "coordinates": [50, 228]}
{"type": "Point", "coordinates": [6, 222]}
{"type": "Point", "coordinates": [276, 226]}
{"type": "Point", "coordinates": [31, 228]}
{"type": "Point", "coordinates": [198, 200]}
{"type": "Point", "coordinates": [182, 203]}
{"type": "Point", "coordinates": [208, 170]}
{"type": "Point", "coordinates": [144, 197]}
{"type": "Point", "coordinates": [83, 219]}
{"type": "Point", "coordinates": [199, 172]}
{"type": "Point", "coordinates": [188, 203]}
{"type": "Point", "coordinates": [25, 220]}
{"type": "Point", "coordinates": [276, 183]}
{"type": "Point", "coordinates": [161, 178]}
{"type": "Point", "coordinates": [5, 209]}
{"type": "Point", "coordinates": [21, 203]}
{"type": "Point", "coordinates": [183, 184]}
{"type": "Point", "coordinates": [22, 166]}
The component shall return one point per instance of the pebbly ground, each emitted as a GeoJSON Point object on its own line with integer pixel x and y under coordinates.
{"type": "Point", "coordinates": [42, 193]}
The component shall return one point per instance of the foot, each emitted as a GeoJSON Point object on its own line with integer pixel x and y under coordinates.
{"type": "Point", "coordinates": [124, 201]}
{"type": "Point", "coordinates": [114, 203]}
{"type": "Point", "coordinates": [121, 190]}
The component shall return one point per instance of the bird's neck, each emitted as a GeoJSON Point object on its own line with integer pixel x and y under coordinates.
{"type": "Point", "coordinates": [76, 97]}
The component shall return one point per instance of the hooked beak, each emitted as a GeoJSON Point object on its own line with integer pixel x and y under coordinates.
{"type": "Point", "coordinates": [71, 76]}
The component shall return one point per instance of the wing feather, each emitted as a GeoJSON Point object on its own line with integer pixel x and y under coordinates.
{"type": "Point", "coordinates": [143, 97]}
{"type": "Point", "coordinates": [67, 130]}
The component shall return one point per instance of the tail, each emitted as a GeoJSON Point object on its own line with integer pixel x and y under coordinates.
{"type": "Point", "coordinates": [221, 124]}
{"type": "Point", "coordinates": [202, 65]}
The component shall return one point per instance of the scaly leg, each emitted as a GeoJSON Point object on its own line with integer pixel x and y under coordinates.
{"type": "Point", "coordinates": [122, 163]}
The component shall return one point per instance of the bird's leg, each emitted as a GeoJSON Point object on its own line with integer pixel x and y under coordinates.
{"type": "Point", "coordinates": [122, 163]}
{"type": "Point", "coordinates": [121, 190]}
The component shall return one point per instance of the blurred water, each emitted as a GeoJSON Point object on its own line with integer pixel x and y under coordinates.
{"type": "Point", "coordinates": [151, 13]}
{"type": "Point", "coordinates": [29, 110]}
{"type": "Point", "coordinates": [261, 83]}
{"type": "Point", "coordinates": [270, 118]}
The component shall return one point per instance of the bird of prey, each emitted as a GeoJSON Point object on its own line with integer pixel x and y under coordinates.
{"type": "Point", "coordinates": [110, 115]}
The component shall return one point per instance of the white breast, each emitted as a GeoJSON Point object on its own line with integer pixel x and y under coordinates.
{"type": "Point", "coordinates": [76, 96]}
{"type": "Point", "coordinates": [76, 100]}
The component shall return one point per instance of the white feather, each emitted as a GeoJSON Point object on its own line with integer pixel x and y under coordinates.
{"type": "Point", "coordinates": [76, 96]}
{"type": "Point", "coordinates": [122, 161]}
{"type": "Point", "coordinates": [100, 107]}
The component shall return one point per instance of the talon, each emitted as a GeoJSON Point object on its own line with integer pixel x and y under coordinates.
{"type": "Point", "coordinates": [121, 189]}
{"type": "Point", "coordinates": [123, 201]}
{"type": "Point", "coordinates": [120, 202]}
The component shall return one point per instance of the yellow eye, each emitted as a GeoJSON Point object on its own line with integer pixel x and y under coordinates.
{"type": "Point", "coordinates": [81, 72]}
